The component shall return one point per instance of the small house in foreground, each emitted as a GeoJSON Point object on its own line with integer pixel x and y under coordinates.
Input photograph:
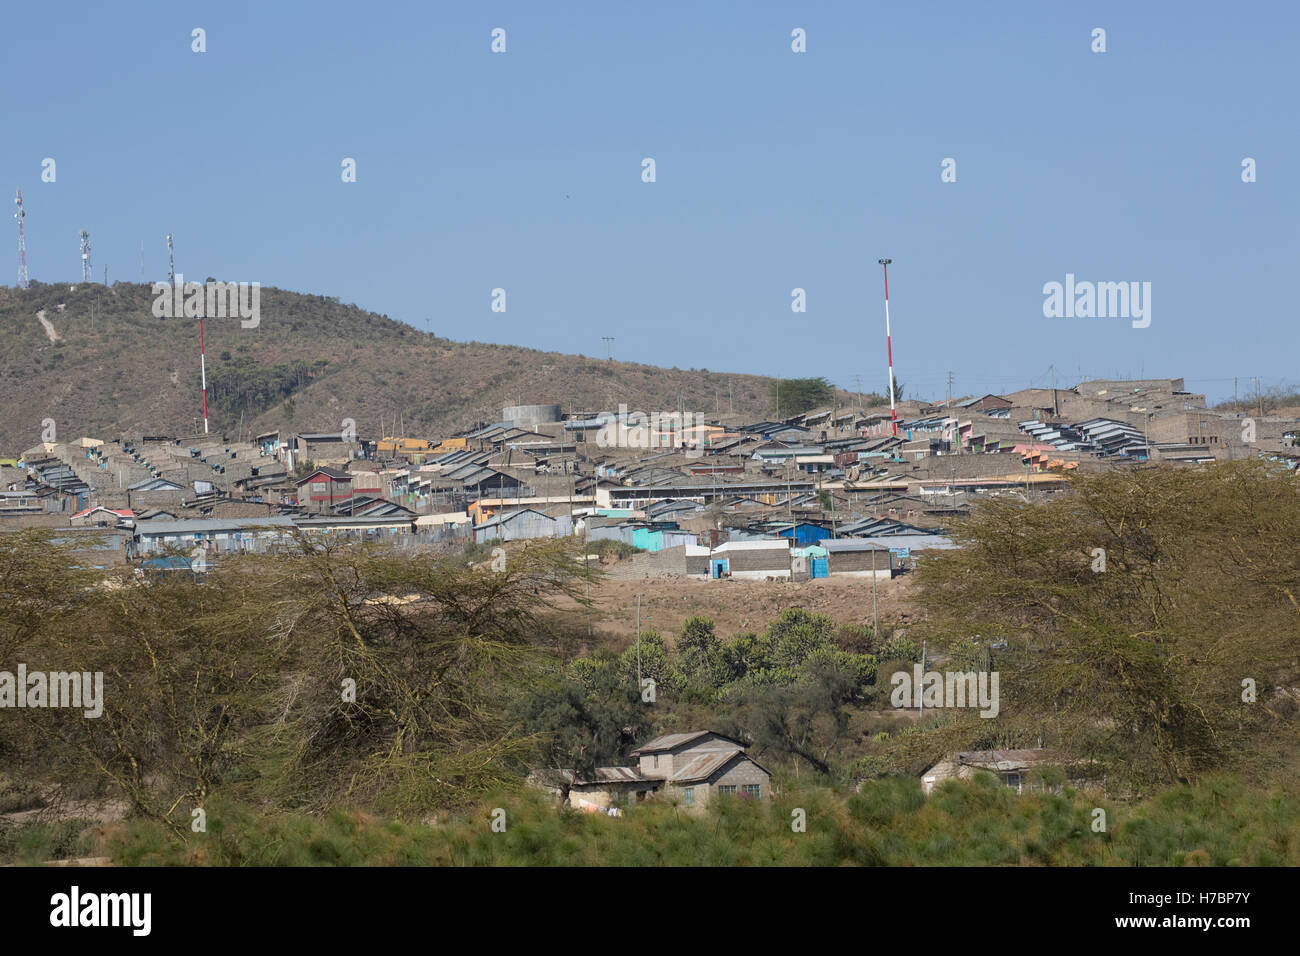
{"type": "Point", "coordinates": [1011, 767]}
{"type": "Point", "coordinates": [693, 769]}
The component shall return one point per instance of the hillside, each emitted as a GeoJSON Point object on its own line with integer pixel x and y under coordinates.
{"type": "Point", "coordinates": [311, 363]}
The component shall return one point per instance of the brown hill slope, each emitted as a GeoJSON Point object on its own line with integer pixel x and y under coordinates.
{"type": "Point", "coordinates": [311, 363]}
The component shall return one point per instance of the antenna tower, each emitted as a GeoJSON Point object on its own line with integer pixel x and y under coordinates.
{"type": "Point", "coordinates": [85, 256]}
{"type": "Point", "coordinates": [22, 242]}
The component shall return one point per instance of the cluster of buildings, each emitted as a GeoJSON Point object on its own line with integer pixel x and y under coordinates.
{"type": "Point", "coordinates": [831, 491]}
{"type": "Point", "coordinates": [696, 769]}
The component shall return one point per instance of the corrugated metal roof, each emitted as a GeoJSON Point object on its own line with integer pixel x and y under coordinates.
{"type": "Point", "coordinates": [705, 766]}
{"type": "Point", "coordinates": [610, 775]}
{"type": "Point", "coordinates": [200, 525]}
{"type": "Point", "coordinates": [668, 742]}
{"type": "Point", "coordinates": [1006, 759]}
{"type": "Point", "coordinates": [673, 741]}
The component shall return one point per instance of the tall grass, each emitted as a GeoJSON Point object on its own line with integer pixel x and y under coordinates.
{"type": "Point", "coordinates": [1221, 822]}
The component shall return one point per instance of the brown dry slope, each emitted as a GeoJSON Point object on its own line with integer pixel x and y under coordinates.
{"type": "Point", "coordinates": [738, 606]}
{"type": "Point", "coordinates": [98, 362]}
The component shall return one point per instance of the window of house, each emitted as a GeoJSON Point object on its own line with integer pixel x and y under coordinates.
{"type": "Point", "coordinates": [656, 765]}
{"type": "Point", "coordinates": [1012, 780]}
{"type": "Point", "coordinates": [753, 789]}
{"type": "Point", "coordinates": [688, 796]}
{"type": "Point", "coordinates": [727, 790]}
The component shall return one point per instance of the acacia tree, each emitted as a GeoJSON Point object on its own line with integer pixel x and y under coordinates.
{"type": "Point", "coordinates": [409, 667]}
{"type": "Point", "coordinates": [326, 675]}
{"type": "Point", "coordinates": [1143, 609]}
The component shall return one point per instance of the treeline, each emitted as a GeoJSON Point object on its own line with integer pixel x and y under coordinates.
{"type": "Point", "coordinates": [1152, 618]}
{"type": "Point", "coordinates": [319, 677]}
{"type": "Point", "coordinates": [240, 384]}
{"type": "Point", "coordinates": [1146, 624]}
{"type": "Point", "coordinates": [792, 690]}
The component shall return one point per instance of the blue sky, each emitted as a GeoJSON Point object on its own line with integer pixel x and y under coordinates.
{"type": "Point", "coordinates": [775, 170]}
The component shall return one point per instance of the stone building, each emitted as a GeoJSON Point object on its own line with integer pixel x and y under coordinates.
{"type": "Point", "coordinates": [692, 769]}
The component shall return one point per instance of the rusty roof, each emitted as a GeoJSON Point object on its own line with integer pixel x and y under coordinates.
{"type": "Point", "coordinates": [606, 775]}
{"type": "Point", "coordinates": [705, 766]}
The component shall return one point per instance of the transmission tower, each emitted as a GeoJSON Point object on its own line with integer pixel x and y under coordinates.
{"type": "Point", "coordinates": [85, 256]}
{"type": "Point", "coordinates": [171, 261]}
{"type": "Point", "coordinates": [22, 242]}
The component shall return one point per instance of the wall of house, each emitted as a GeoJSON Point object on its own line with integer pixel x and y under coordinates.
{"type": "Point", "coordinates": [664, 768]}
{"type": "Point", "coordinates": [603, 795]}
{"type": "Point", "coordinates": [858, 563]}
{"type": "Point", "coordinates": [740, 772]}
{"type": "Point", "coordinates": [756, 562]}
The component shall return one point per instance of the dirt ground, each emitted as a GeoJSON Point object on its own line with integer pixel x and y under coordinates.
{"type": "Point", "coordinates": [737, 606]}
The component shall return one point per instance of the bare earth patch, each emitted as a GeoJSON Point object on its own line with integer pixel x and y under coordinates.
{"type": "Point", "coordinates": [737, 606]}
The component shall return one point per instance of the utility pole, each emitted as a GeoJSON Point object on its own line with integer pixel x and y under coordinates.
{"type": "Point", "coordinates": [950, 389]}
{"type": "Point", "coordinates": [789, 501]}
{"type": "Point", "coordinates": [858, 379]}
{"type": "Point", "coordinates": [921, 698]}
{"type": "Point", "coordinates": [875, 618]}
{"type": "Point", "coordinates": [1055, 409]}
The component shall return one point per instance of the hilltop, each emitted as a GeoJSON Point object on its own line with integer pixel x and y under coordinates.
{"type": "Point", "coordinates": [310, 363]}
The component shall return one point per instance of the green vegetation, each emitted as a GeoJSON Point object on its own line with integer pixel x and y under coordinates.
{"type": "Point", "coordinates": [320, 677]}
{"type": "Point", "coordinates": [791, 689]}
{"type": "Point", "coordinates": [322, 704]}
{"type": "Point", "coordinates": [1218, 822]}
{"type": "Point", "coordinates": [241, 385]}
{"type": "Point", "coordinates": [794, 395]}
{"type": "Point", "coordinates": [1174, 661]}
{"type": "Point", "coordinates": [608, 547]}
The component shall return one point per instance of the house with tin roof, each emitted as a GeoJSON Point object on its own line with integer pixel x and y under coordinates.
{"type": "Point", "coordinates": [1012, 768]}
{"type": "Point", "coordinates": [692, 769]}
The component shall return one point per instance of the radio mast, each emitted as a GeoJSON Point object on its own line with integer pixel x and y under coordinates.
{"type": "Point", "coordinates": [85, 257]}
{"type": "Point", "coordinates": [22, 242]}
{"type": "Point", "coordinates": [889, 348]}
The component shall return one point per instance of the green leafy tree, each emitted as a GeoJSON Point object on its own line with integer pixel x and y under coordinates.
{"type": "Point", "coordinates": [1151, 615]}
{"type": "Point", "coordinates": [794, 395]}
{"type": "Point", "coordinates": [699, 653]}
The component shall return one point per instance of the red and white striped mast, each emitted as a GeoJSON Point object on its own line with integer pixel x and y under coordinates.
{"type": "Point", "coordinates": [889, 348]}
